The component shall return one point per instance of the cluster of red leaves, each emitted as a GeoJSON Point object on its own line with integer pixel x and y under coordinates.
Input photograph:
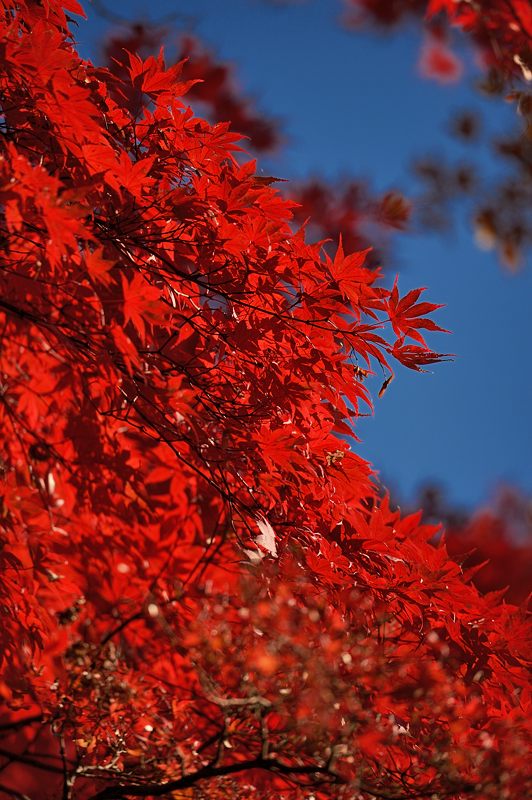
{"type": "Point", "coordinates": [211, 82]}
{"type": "Point", "coordinates": [502, 29]}
{"type": "Point", "coordinates": [202, 593]}
{"type": "Point", "coordinates": [351, 211]}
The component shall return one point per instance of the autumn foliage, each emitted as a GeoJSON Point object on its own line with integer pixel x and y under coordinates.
{"type": "Point", "coordinates": [203, 592]}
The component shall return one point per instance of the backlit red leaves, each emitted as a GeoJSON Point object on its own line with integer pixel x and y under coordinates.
{"type": "Point", "coordinates": [351, 276]}
{"type": "Point", "coordinates": [132, 175]}
{"type": "Point", "coordinates": [152, 77]}
{"type": "Point", "coordinates": [408, 316]}
{"type": "Point", "coordinates": [201, 585]}
{"type": "Point", "coordinates": [415, 357]}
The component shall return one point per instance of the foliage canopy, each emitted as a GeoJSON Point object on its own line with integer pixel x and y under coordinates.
{"type": "Point", "coordinates": [204, 593]}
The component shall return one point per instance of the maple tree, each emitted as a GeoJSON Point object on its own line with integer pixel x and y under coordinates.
{"type": "Point", "coordinates": [204, 593]}
{"type": "Point", "coordinates": [499, 205]}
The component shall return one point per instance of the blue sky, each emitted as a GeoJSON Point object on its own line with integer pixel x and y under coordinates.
{"type": "Point", "coordinates": [352, 103]}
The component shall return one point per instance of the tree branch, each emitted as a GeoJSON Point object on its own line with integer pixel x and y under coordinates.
{"type": "Point", "coordinates": [209, 772]}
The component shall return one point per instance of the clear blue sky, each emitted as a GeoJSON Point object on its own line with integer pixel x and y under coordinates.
{"type": "Point", "coordinates": [353, 104]}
